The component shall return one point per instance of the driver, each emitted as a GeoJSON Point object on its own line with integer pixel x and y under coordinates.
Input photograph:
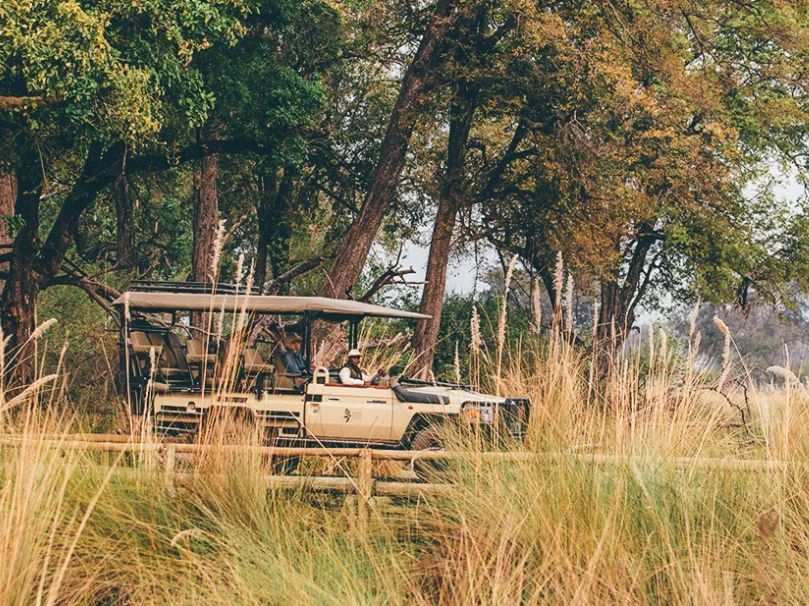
{"type": "Point", "coordinates": [292, 358]}
{"type": "Point", "coordinates": [351, 373]}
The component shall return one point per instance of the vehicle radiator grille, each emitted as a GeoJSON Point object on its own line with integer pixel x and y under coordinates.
{"type": "Point", "coordinates": [516, 412]}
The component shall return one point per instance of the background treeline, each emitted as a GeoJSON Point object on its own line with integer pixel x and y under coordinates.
{"type": "Point", "coordinates": [641, 140]}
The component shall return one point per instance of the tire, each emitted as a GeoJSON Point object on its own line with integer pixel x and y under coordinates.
{"type": "Point", "coordinates": [429, 471]}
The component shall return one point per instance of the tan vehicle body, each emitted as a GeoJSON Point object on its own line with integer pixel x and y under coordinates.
{"type": "Point", "coordinates": [178, 382]}
{"type": "Point", "coordinates": [324, 413]}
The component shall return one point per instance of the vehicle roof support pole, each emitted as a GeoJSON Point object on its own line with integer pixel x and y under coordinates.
{"type": "Point", "coordinates": [353, 333]}
{"type": "Point", "coordinates": [307, 339]}
{"type": "Point", "coordinates": [123, 355]}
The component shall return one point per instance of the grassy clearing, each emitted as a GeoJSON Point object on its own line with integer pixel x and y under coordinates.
{"type": "Point", "coordinates": [646, 531]}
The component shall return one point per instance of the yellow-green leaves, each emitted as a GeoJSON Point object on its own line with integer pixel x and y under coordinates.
{"type": "Point", "coordinates": [111, 68]}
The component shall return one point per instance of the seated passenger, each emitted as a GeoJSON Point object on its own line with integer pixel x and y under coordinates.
{"type": "Point", "coordinates": [292, 358]}
{"type": "Point", "coordinates": [351, 373]}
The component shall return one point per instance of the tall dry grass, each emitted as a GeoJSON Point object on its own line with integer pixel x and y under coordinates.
{"type": "Point", "coordinates": [79, 527]}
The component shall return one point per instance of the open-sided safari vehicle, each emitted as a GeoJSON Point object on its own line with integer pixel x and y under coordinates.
{"type": "Point", "coordinates": [181, 377]}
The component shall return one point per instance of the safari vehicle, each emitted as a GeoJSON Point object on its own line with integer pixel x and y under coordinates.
{"type": "Point", "coordinates": [170, 374]}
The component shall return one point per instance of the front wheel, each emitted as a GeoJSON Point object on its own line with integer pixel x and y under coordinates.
{"type": "Point", "coordinates": [429, 470]}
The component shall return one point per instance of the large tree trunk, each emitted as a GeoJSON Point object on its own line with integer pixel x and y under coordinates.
{"type": "Point", "coordinates": [31, 270]}
{"type": "Point", "coordinates": [353, 253]}
{"type": "Point", "coordinates": [274, 230]}
{"type": "Point", "coordinates": [432, 298]}
{"type": "Point", "coordinates": [22, 286]}
{"type": "Point", "coordinates": [8, 198]}
{"type": "Point", "coordinates": [619, 300]}
{"type": "Point", "coordinates": [206, 223]}
{"type": "Point", "coordinates": [125, 240]}
{"type": "Point", "coordinates": [268, 193]}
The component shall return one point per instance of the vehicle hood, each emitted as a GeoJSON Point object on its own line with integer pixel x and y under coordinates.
{"type": "Point", "coordinates": [455, 395]}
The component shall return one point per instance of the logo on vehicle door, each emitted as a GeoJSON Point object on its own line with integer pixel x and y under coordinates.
{"type": "Point", "coordinates": [347, 415]}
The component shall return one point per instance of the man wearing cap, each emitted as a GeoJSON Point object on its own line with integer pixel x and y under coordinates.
{"type": "Point", "coordinates": [351, 373]}
{"type": "Point", "coordinates": [292, 358]}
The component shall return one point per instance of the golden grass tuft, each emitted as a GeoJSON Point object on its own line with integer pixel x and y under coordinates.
{"type": "Point", "coordinates": [81, 527]}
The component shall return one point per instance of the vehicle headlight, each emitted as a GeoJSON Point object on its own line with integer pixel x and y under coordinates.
{"type": "Point", "coordinates": [481, 413]}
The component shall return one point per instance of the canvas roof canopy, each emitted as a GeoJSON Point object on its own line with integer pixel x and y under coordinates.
{"type": "Point", "coordinates": [337, 309]}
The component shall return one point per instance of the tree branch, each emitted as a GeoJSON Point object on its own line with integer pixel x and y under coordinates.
{"type": "Point", "coordinates": [390, 276]}
{"type": "Point", "coordinates": [26, 102]}
{"type": "Point", "coordinates": [99, 293]}
{"type": "Point", "coordinates": [299, 269]}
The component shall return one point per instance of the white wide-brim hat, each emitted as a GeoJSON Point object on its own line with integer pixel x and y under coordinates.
{"type": "Point", "coordinates": [354, 352]}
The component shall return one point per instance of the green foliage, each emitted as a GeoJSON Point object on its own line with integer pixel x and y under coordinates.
{"type": "Point", "coordinates": [455, 330]}
{"type": "Point", "coordinates": [648, 121]}
{"type": "Point", "coordinates": [84, 347]}
{"type": "Point", "coordinates": [115, 69]}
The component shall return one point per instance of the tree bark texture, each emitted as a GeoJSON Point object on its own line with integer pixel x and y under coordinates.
{"type": "Point", "coordinates": [8, 198]}
{"type": "Point", "coordinates": [125, 227]}
{"type": "Point", "coordinates": [619, 300]}
{"type": "Point", "coordinates": [206, 223]}
{"type": "Point", "coordinates": [274, 230]}
{"type": "Point", "coordinates": [425, 338]}
{"type": "Point", "coordinates": [353, 253]}
{"type": "Point", "coordinates": [22, 286]}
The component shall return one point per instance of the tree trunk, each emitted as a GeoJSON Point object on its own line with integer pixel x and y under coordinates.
{"type": "Point", "coordinates": [22, 286]}
{"type": "Point", "coordinates": [8, 198]}
{"type": "Point", "coordinates": [269, 191]}
{"type": "Point", "coordinates": [31, 270]}
{"type": "Point", "coordinates": [616, 315]}
{"type": "Point", "coordinates": [274, 231]}
{"type": "Point", "coordinates": [206, 223]}
{"type": "Point", "coordinates": [124, 224]}
{"type": "Point", "coordinates": [432, 297]}
{"type": "Point", "coordinates": [353, 253]}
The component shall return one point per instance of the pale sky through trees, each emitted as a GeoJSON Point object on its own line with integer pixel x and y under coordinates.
{"type": "Point", "coordinates": [463, 269]}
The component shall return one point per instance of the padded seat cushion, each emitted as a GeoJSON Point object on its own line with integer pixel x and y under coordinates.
{"type": "Point", "coordinates": [194, 358]}
{"type": "Point", "coordinates": [198, 354]}
{"type": "Point", "coordinates": [142, 345]}
{"type": "Point", "coordinates": [168, 371]}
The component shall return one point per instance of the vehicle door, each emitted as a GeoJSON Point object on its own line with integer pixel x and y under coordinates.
{"type": "Point", "coordinates": [343, 412]}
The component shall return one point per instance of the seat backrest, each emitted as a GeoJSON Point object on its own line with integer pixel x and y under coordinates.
{"type": "Point", "coordinates": [155, 339]}
{"type": "Point", "coordinates": [282, 379]}
{"type": "Point", "coordinates": [251, 357]}
{"type": "Point", "coordinates": [278, 360]}
{"type": "Point", "coordinates": [175, 357]}
{"type": "Point", "coordinates": [195, 347]}
{"type": "Point", "coordinates": [140, 342]}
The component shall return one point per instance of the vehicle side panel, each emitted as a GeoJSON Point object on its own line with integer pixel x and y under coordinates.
{"type": "Point", "coordinates": [403, 413]}
{"type": "Point", "coordinates": [184, 411]}
{"type": "Point", "coordinates": [349, 413]}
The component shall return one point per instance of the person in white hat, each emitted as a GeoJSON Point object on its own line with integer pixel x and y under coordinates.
{"type": "Point", "coordinates": [351, 373]}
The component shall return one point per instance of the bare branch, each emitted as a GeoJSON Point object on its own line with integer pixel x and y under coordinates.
{"type": "Point", "coordinates": [297, 270]}
{"type": "Point", "coordinates": [390, 276]}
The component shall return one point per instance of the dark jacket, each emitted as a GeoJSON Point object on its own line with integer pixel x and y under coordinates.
{"type": "Point", "coordinates": [293, 362]}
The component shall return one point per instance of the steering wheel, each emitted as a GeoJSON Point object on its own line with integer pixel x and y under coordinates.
{"type": "Point", "coordinates": [375, 379]}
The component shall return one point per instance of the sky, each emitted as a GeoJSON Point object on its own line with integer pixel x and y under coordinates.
{"type": "Point", "coordinates": [462, 275]}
